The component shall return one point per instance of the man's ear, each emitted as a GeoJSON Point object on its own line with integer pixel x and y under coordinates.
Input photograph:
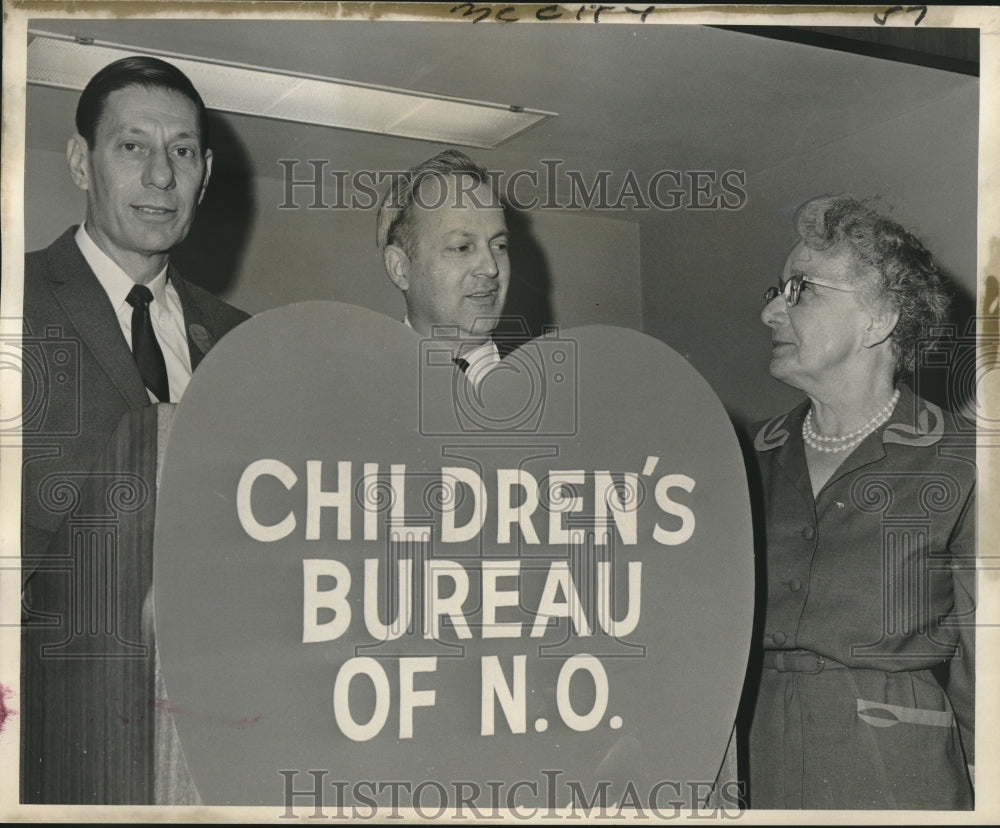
{"type": "Point", "coordinates": [397, 265]}
{"type": "Point", "coordinates": [881, 324]}
{"type": "Point", "coordinates": [77, 156]}
{"type": "Point", "coordinates": [208, 175]}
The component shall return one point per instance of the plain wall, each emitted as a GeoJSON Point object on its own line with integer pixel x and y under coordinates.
{"type": "Point", "coordinates": [704, 272]}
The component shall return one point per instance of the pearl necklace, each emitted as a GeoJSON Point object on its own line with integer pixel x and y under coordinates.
{"type": "Point", "coordinates": [835, 445]}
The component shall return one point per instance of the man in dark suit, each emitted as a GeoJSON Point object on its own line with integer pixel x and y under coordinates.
{"type": "Point", "coordinates": [109, 328]}
{"type": "Point", "coordinates": [443, 238]}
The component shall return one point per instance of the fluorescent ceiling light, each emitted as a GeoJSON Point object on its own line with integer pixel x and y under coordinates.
{"type": "Point", "coordinates": [69, 62]}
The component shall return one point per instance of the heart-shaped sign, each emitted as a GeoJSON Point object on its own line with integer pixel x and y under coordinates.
{"type": "Point", "coordinates": [372, 577]}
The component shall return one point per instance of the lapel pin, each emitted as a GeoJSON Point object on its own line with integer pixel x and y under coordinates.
{"type": "Point", "coordinates": [201, 337]}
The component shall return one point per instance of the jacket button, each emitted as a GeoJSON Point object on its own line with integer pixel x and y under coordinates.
{"type": "Point", "coordinates": [809, 533]}
{"type": "Point", "coordinates": [795, 585]}
{"type": "Point", "coordinates": [779, 638]}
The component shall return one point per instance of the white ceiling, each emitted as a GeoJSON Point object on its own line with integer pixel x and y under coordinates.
{"type": "Point", "coordinates": [629, 97]}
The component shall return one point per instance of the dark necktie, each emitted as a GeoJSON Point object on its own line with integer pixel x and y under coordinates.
{"type": "Point", "coordinates": [145, 348]}
{"type": "Point", "coordinates": [462, 363]}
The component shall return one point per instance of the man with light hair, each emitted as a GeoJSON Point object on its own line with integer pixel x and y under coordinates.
{"type": "Point", "coordinates": [443, 238]}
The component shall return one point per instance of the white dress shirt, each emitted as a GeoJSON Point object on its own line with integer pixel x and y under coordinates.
{"type": "Point", "coordinates": [482, 359]}
{"type": "Point", "coordinates": [165, 312]}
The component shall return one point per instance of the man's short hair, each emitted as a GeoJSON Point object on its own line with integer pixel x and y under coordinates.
{"type": "Point", "coordinates": [138, 70]}
{"type": "Point", "coordinates": [396, 216]}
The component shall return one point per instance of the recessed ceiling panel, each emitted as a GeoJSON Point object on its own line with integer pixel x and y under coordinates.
{"type": "Point", "coordinates": [68, 63]}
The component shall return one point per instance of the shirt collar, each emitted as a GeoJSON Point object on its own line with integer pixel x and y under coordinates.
{"type": "Point", "coordinates": [115, 281]}
{"type": "Point", "coordinates": [914, 422]}
{"type": "Point", "coordinates": [483, 351]}
{"type": "Point", "coordinates": [486, 352]}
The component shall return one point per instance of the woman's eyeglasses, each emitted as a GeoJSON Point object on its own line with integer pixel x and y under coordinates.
{"type": "Point", "coordinates": [793, 288]}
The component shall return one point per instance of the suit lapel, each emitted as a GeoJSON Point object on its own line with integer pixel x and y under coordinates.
{"type": "Point", "coordinates": [199, 337]}
{"type": "Point", "coordinates": [85, 303]}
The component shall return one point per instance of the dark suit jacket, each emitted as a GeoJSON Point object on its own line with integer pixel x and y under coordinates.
{"type": "Point", "coordinates": [79, 376]}
{"type": "Point", "coordinates": [87, 729]}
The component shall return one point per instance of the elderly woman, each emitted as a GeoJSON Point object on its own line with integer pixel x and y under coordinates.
{"type": "Point", "coordinates": [866, 696]}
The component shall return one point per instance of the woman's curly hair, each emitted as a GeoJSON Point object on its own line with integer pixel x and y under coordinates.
{"type": "Point", "coordinates": [895, 266]}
